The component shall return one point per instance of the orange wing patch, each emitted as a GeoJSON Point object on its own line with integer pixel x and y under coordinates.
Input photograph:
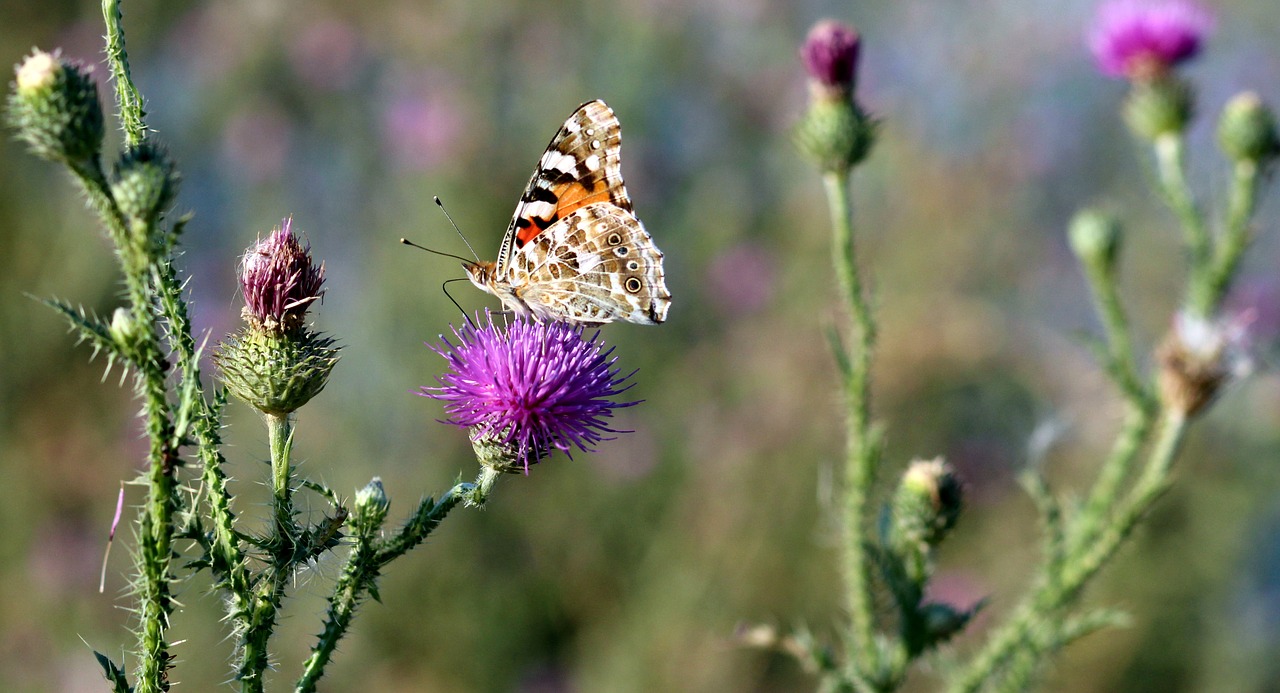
{"type": "Point", "coordinates": [569, 197]}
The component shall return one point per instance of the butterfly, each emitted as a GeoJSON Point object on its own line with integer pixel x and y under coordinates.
{"type": "Point", "coordinates": [574, 250]}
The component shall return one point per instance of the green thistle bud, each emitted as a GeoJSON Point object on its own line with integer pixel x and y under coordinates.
{"type": "Point", "coordinates": [503, 456]}
{"type": "Point", "coordinates": [835, 134]}
{"type": "Point", "coordinates": [1095, 238]}
{"type": "Point", "coordinates": [926, 504]}
{"type": "Point", "coordinates": [371, 507]}
{"type": "Point", "coordinates": [276, 373]}
{"type": "Point", "coordinates": [55, 109]}
{"type": "Point", "coordinates": [123, 330]}
{"type": "Point", "coordinates": [1159, 107]}
{"type": "Point", "coordinates": [1247, 130]}
{"type": "Point", "coordinates": [144, 182]}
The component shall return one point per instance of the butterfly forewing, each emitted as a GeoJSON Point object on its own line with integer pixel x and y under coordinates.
{"type": "Point", "coordinates": [574, 250]}
{"type": "Point", "coordinates": [581, 166]}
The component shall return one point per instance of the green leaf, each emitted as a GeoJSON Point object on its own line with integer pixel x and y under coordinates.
{"type": "Point", "coordinates": [115, 675]}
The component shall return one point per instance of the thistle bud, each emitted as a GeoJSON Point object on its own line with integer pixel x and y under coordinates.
{"type": "Point", "coordinates": [1159, 107]}
{"type": "Point", "coordinates": [144, 183]}
{"type": "Point", "coordinates": [371, 507]}
{"type": "Point", "coordinates": [1247, 130]}
{"type": "Point", "coordinates": [55, 109]}
{"type": "Point", "coordinates": [926, 504]}
{"type": "Point", "coordinates": [1095, 238]}
{"type": "Point", "coordinates": [835, 132]}
{"type": "Point", "coordinates": [276, 364]}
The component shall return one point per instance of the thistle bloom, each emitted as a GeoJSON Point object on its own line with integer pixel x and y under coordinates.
{"type": "Point", "coordinates": [830, 54]}
{"type": "Point", "coordinates": [279, 280]}
{"type": "Point", "coordinates": [276, 363]}
{"type": "Point", "coordinates": [529, 387]}
{"type": "Point", "coordinates": [1141, 39]}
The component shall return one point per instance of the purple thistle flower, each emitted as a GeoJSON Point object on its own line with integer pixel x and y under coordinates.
{"type": "Point", "coordinates": [1141, 39]}
{"type": "Point", "coordinates": [530, 386]}
{"type": "Point", "coordinates": [830, 54]}
{"type": "Point", "coordinates": [279, 281]}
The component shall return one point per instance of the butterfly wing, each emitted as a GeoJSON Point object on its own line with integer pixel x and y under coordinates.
{"type": "Point", "coordinates": [580, 167]}
{"type": "Point", "coordinates": [596, 265]}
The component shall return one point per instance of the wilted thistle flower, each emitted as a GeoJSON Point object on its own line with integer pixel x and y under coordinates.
{"type": "Point", "coordinates": [830, 54]}
{"type": "Point", "coordinates": [279, 280]}
{"type": "Point", "coordinates": [276, 364]}
{"type": "Point", "coordinates": [834, 131]}
{"type": "Point", "coordinates": [1198, 357]}
{"type": "Point", "coordinates": [55, 109]}
{"type": "Point", "coordinates": [1142, 39]}
{"type": "Point", "coordinates": [527, 388]}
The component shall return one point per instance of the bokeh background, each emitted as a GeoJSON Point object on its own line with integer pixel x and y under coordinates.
{"type": "Point", "coordinates": [628, 569]}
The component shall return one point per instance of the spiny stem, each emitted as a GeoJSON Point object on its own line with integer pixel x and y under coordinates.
{"type": "Point", "coordinates": [861, 449]}
{"type": "Point", "coordinates": [130, 101]}
{"type": "Point", "coordinates": [362, 568]}
{"type": "Point", "coordinates": [269, 590]}
{"type": "Point", "coordinates": [1057, 592]}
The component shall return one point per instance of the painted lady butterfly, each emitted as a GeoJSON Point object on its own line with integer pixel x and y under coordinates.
{"type": "Point", "coordinates": [574, 250]}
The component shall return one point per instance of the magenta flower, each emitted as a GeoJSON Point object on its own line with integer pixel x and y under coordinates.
{"type": "Point", "coordinates": [531, 386]}
{"type": "Point", "coordinates": [279, 280]}
{"type": "Point", "coordinates": [1140, 39]}
{"type": "Point", "coordinates": [830, 54]}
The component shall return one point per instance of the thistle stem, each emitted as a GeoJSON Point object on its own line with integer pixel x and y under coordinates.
{"type": "Point", "coordinates": [282, 544]}
{"type": "Point", "coordinates": [1170, 152]}
{"type": "Point", "coordinates": [280, 437]}
{"type": "Point", "coordinates": [363, 565]}
{"type": "Point", "coordinates": [130, 101]}
{"type": "Point", "coordinates": [860, 453]}
{"type": "Point", "coordinates": [1040, 610]}
{"type": "Point", "coordinates": [1241, 205]}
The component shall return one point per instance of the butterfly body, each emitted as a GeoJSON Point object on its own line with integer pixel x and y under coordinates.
{"type": "Point", "coordinates": [574, 250]}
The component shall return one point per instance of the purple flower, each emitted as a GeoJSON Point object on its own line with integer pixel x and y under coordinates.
{"type": "Point", "coordinates": [1144, 39]}
{"type": "Point", "coordinates": [830, 54]}
{"type": "Point", "coordinates": [530, 386]}
{"type": "Point", "coordinates": [279, 281]}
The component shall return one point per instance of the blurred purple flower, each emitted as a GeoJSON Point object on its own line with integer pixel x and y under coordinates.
{"type": "Point", "coordinates": [256, 142]}
{"type": "Point", "coordinates": [1258, 300]}
{"type": "Point", "coordinates": [830, 54]}
{"type": "Point", "coordinates": [531, 385]}
{"type": "Point", "coordinates": [1145, 38]}
{"type": "Point", "coordinates": [279, 280]}
{"type": "Point", "coordinates": [326, 54]}
{"type": "Point", "coordinates": [420, 131]}
{"type": "Point", "coordinates": [742, 279]}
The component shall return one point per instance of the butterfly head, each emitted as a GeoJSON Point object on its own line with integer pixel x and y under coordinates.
{"type": "Point", "coordinates": [484, 276]}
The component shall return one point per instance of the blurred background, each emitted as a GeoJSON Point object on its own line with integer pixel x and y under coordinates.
{"type": "Point", "coordinates": [629, 569]}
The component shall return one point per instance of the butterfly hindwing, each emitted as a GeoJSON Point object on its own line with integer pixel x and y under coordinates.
{"type": "Point", "coordinates": [596, 265]}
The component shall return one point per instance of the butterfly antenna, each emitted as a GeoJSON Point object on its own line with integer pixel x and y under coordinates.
{"type": "Point", "coordinates": [445, 288]}
{"type": "Point", "coordinates": [440, 204]}
{"type": "Point", "coordinates": [408, 242]}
